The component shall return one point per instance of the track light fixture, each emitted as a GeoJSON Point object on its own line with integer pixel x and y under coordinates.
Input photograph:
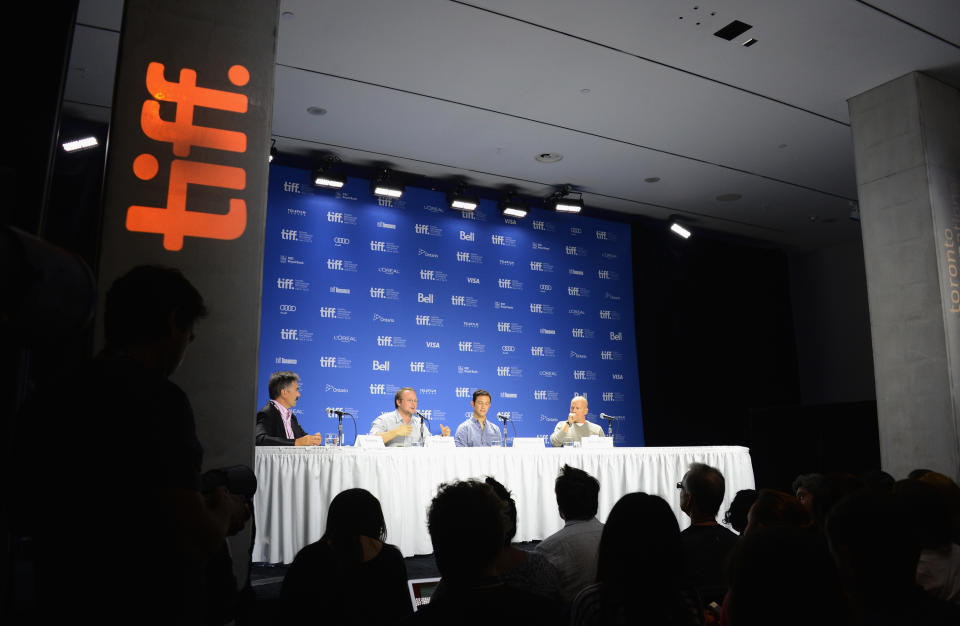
{"type": "Point", "coordinates": [327, 175]}
{"type": "Point", "coordinates": [80, 144]}
{"type": "Point", "coordinates": [562, 201]}
{"type": "Point", "coordinates": [678, 228]}
{"type": "Point", "coordinates": [511, 206]}
{"type": "Point", "coordinates": [461, 200]}
{"type": "Point", "coordinates": [386, 184]}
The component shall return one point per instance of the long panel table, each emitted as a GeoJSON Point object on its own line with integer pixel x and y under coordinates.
{"type": "Point", "coordinates": [296, 484]}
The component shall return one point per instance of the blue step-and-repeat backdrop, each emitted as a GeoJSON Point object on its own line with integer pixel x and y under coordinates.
{"type": "Point", "coordinates": [365, 295]}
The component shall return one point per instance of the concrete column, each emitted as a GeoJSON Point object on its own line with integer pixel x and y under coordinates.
{"type": "Point", "coordinates": [906, 137]}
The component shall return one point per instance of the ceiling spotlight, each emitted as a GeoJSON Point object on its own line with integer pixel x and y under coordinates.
{"type": "Point", "coordinates": [460, 200]}
{"type": "Point", "coordinates": [679, 230]}
{"type": "Point", "coordinates": [80, 144]}
{"type": "Point", "coordinates": [562, 202]}
{"type": "Point", "coordinates": [273, 150]}
{"type": "Point", "coordinates": [511, 206]}
{"type": "Point", "coordinates": [386, 184]}
{"type": "Point", "coordinates": [327, 174]}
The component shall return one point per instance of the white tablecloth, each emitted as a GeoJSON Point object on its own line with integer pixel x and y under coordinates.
{"type": "Point", "coordinates": [297, 483]}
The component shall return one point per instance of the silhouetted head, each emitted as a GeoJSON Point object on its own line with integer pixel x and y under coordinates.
{"type": "Point", "coordinates": [354, 513]}
{"type": "Point", "coordinates": [805, 488]}
{"type": "Point", "coordinates": [702, 492]}
{"type": "Point", "coordinates": [153, 308]}
{"type": "Point", "coordinates": [640, 545]}
{"type": "Point", "coordinates": [776, 508]}
{"type": "Point", "coordinates": [577, 494]}
{"type": "Point", "coordinates": [736, 515]}
{"type": "Point", "coordinates": [465, 521]}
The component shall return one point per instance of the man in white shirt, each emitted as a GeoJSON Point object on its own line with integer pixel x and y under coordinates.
{"type": "Point", "coordinates": [404, 426]}
{"type": "Point", "coordinates": [573, 548]}
{"type": "Point", "coordinates": [576, 426]}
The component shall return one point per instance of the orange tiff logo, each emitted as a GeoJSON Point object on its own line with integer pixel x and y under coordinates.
{"type": "Point", "coordinates": [174, 221]}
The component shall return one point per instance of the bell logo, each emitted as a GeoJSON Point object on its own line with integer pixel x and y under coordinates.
{"type": "Point", "coordinates": [381, 366]}
{"type": "Point", "coordinates": [536, 350]}
{"type": "Point", "coordinates": [423, 320]}
{"type": "Point", "coordinates": [421, 229]}
{"type": "Point", "coordinates": [285, 283]}
{"type": "Point", "coordinates": [503, 371]}
{"type": "Point", "coordinates": [463, 257]}
{"type": "Point", "coordinates": [462, 392]}
{"type": "Point", "coordinates": [417, 366]}
{"type": "Point", "coordinates": [536, 308]}
{"type": "Point", "coordinates": [616, 336]}
{"type": "Point", "coordinates": [384, 341]}
{"type": "Point", "coordinates": [497, 240]}
{"type": "Point", "coordinates": [334, 264]}
{"type": "Point", "coordinates": [426, 274]}
{"type": "Point", "coordinates": [335, 217]}
{"type": "Point", "coordinates": [536, 266]}
{"type": "Point", "coordinates": [457, 300]}
{"type": "Point", "coordinates": [465, 236]}
{"type": "Point", "coordinates": [603, 274]}
{"type": "Point", "coordinates": [378, 389]}
{"type": "Point", "coordinates": [465, 346]}
{"type": "Point", "coordinates": [425, 298]}
{"type": "Point", "coordinates": [328, 312]}
{"type": "Point", "coordinates": [377, 292]}
{"type": "Point", "coordinates": [378, 246]}
{"type": "Point", "coordinates": [328, 361]}
{"type": "Point", "coordinates": [288, 333]}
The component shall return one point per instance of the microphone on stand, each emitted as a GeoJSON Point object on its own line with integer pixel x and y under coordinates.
{"type": "Point", "coordinates": [339, 413]}
{"type": "Point", "coordinates": [423, 418]}
{"type": "Point", "coordinates": [504, 417]}
{"type": "Point", "coordinates": [609, 419]}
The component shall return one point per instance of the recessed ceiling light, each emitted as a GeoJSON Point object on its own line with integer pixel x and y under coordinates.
{"type": "Point", "coordinates": [316, 111]}
{"type": "Point", "coordinates": [584, 91]}
{"type": "Point", "coordinates": [733, 30]}
{"type": "Point", "coordinates": [652, 179]}
{"type": "Point", "coordinates": [549, 157]}
{"type": "Point", "coordinates": [729, 197]}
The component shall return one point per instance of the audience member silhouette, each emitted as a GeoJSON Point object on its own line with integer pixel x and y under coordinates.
{"type": "Point", "coordinates": [805, 488]}
{"type": "Point", "coordinates": [951, 497]}
{"type": "Point", "coordinates": [361, 579]}
{"type": "Point", "coordinates": [466, 525]}
{"type": "Point", "coordinates": [938, 569]}
{"type": "Point", "coordinates": [784, 575]}
{"type": "Point", "coordinates": [776, 508]}
{"type": "Point", "coordinates": [706, 543]}
{"type": "Point", "coordinates": [639, 570]}
{"type": "Point", "coordinates": [736, 515]}
{"type": "Point", "coordinates": [518, 568]}
{"type": "Point", "coordinates": [135, 515]}
{"type": "Point", "coordinates": [833, 488]}
{"type": "Point", "coordinates": [876, 557]}
{"type": "Point", "coordinates": [573, 548]}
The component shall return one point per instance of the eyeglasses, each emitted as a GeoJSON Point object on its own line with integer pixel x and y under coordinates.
{"type": "Point", "coordinates": [680, 486]}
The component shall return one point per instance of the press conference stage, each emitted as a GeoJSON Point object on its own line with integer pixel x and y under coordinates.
{"type": "Point", "coordinates": [296, 484]}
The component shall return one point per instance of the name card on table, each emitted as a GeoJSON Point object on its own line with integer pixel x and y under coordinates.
{"type": "Point", "coordinates": [596, 442]}
{"type": "Point", "coordinates": [528, 442]}
{"type": "Point", "coordinates": [440, 442]}
{"type": "Point", "coordinates": [368, 441]}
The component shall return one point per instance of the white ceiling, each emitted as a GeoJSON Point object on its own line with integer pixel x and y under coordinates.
{"type": "Point", "coordinates": [442, 88]}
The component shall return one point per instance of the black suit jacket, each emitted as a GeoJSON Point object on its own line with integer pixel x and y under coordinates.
{"type": "Point", "coordinates": [270, 430]}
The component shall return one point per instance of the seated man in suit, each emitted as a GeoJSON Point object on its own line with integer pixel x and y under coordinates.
{"type": "Point", "coordinates": [276, 423]}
